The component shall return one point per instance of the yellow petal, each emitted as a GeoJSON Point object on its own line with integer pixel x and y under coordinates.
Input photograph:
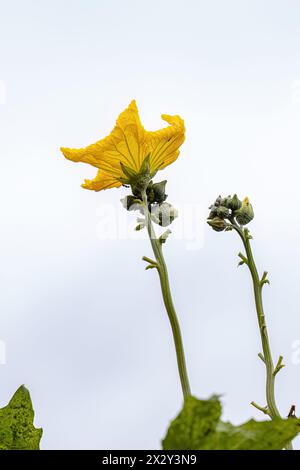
{"type": "Point", "coordinates": [129, 137]}
{"type": "Point", "coordinates": [129, 144]}
{"type": "Point", "coordinates": [125, 143]}
{"type": "Point", "coordinates": [102, 181]}
{"type": "Point", "coordinates": [164, 144]}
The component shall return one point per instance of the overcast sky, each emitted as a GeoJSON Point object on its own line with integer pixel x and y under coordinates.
{"type": "Point", "coordinates": [83, 325]}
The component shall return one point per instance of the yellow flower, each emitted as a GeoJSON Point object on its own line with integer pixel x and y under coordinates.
{"type": "Point", "coordinates": [126, 148]}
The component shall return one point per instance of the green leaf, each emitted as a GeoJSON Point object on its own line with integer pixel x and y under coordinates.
{"type": "Point", "coordinates": [17, 431]}
{"type": "Point", "coordinates": [197, 419]}
{"type": "Point", "coordinates": [198, 427]}
{"type": "Point", "coordinates": [255, 435]}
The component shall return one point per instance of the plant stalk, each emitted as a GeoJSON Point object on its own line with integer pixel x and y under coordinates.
{"type": "Point", "coordinates": [168, 301]}
{"type": "Point", "coordinates": [258, 283]}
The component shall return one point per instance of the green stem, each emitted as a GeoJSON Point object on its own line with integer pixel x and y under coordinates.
{"type": "Point", "coordinates": [270, 380]}
{"type": "Point", "coordinates": [167, 297]}
{"type": "Point", "coordinates": [272, 409]}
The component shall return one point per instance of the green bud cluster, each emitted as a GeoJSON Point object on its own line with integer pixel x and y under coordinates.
{"type": "Point", "coordinates": [162, 213]}
{"type": "Point", "coordinates": [156, 192]}
{"type": "Point", "coordinates": [232, 209]}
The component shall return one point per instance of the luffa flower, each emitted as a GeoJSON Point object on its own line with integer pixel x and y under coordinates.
{"type": "Point", "coordinates": [129, 149]}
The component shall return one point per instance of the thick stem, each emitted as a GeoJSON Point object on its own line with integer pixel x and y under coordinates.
{"type": "Point", "coordinates": [167, 297]}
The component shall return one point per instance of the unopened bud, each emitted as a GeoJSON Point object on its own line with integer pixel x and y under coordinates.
{"type": "Point", "coordinates": [222, 212]}
{"type": "Point", "coordinates": [218, 201]}
{"type": "Point", "coordinates": [224, 201]}
{"type": "Point", "coordinates": [164, 214]}
{"type": "Point", "coordinates": [234, 203]}
{"type": "Point", "coordinates": [217, 224]}
{"type": "Point", "coordinates": [131, 203]}
{"type": "Point", "coordinates": [156, 192]}
{"type": "Point", "coordinates": [245, 214]}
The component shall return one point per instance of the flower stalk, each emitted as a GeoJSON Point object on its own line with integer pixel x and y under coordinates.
{"type": "Point", "coordinates": [160, 265]}
{"type": "Point", "coordinates": [271, 409]}
{"type": "Point", "coordinates": [266, 356]}
{"type": "Point", "coordinates": [131, 156]}
{"type": "Point", "coordinates": [232, 214]}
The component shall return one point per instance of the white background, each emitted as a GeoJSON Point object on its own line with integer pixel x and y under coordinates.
{"type": "Point", "coordinates": [84, 325]}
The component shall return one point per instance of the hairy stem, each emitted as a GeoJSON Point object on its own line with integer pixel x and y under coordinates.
{"type": "Point", "coordinates": [167, 297]}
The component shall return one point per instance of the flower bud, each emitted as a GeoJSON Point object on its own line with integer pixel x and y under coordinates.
{"type": "Point", "coordinates": [160, 191]}
{"type": "Point", "coordinates": [156, 192]}
{"type": "Point", "coordinates": [234, 203]}
{"type": "Point", "coordinates": [163, 214]}
{"type": "Point", "coordinates": [222, 212]}
{"type": "Point", "coordinates": [217, 224]}
{"type": "Point", "coordinates": [224, 201]}
{"type": "Point", "coordinates": [131, 203]}
{"type": "Point", "coordinates": [218, 201]}
{"type": "Point", "coordinates": [245, 214]}
{"type": "Point", "coordinates": [213, 211]}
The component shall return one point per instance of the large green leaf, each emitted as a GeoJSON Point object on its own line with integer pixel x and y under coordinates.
{"type": "Point", "coordinates": [198, 427]}
{"type": "Point", "coordinates": [17, 431]}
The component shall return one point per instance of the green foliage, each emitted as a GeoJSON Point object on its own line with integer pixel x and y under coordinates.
{"type": "Point", "coordinates": [199, 427]}
{"type": "Point", "coordinates": [17, 431]}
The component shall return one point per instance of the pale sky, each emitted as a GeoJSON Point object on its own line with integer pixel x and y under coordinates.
{"type": "Point", "coordinates": [83, 325]}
